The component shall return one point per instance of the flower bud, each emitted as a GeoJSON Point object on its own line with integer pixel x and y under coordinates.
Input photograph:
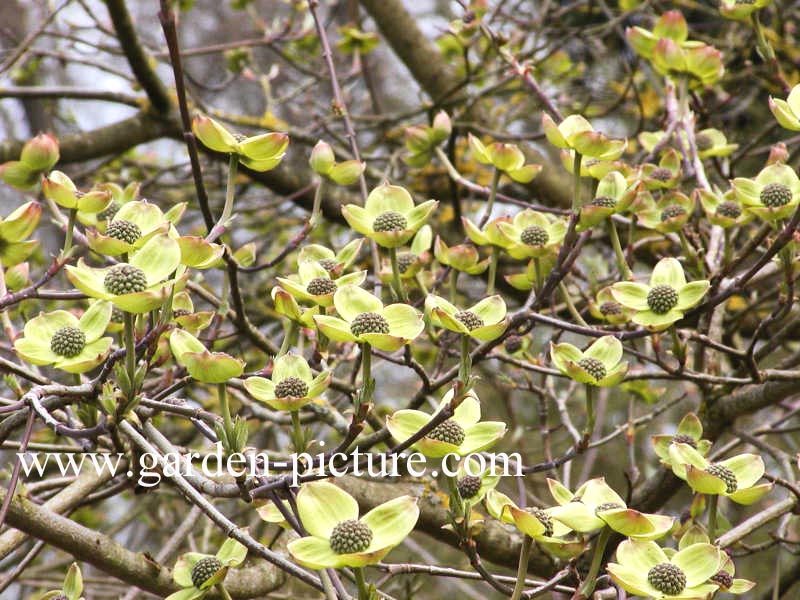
{"type": "Point", "coordinates": [347, 172]}
{"type": "Point", "coordinates": [322, 158]}
{"type": "Point", "coordinates": [441, 127]}
{"type": "Point", "coordinates": [40, 153]}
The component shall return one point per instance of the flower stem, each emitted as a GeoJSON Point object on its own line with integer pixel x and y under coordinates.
{"type": "Point", "coordinates": [367, 384]}
{"type": "Point", "coordinates": [465, 370]}
{"type": "Point", "coordinates": [227, 209]}
{"type": "Point", "coordinates": [223, 592]}
{"type": "Point", "coordinates": [587, 587]}
{"type": "Point", "coordinates": [677, 346]}
{"type": "Point", "coordinates": [73, 213]}
{"type": "Point", "coordinates": [130, 353]}
{"type": "Point", "coordinates": [492, 270]}
{"type": "Point", "coordinates": [571, 306]}
{"type": "Point", "coordinates": [537, 273]}
{"type": "Point", "coordinates": [327, 585]}
{"type": "Point", "coordinates": [522, 569]}
{"type": "Point", "coordinates": [453, 284]}
{"type": "Point", "coordinates": [492, 196]}
{"type": "Point", "coordinates": [363, 591]}
{"type": "Point", "coordinates": [288, 338]}
{"type": "Point", "coordinates": [297, 432]}
{"type": "Point", "coordinates": [225, 407]}
{"type": "Point", "coordinates": [315, 210]}
{"type": "Point", "coordinates": [762, 44]}
{"type": "Point", "coordinates": [590, 416]}
{"type": "Point", "coordinates": [576, 181]}
{"type": "Point", "coordinates": [397, 283]}
{"type": "Point", "coordinates": [712, 518]}
{"type": "Point", "coordinates": [624, 269]}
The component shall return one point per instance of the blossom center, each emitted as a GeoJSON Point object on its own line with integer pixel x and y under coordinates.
{"type": "Point", "coordinates": [448, 431]}
{"type": "Point", "coordinates": [682, 438]}
{"type": "Point", "coordinates": [469, 319]}
{"type": "Point", "coordinates": [109, 212]}
{"type": "Point", "coordinates": [513, 344]}
{"type": "Point", "coordinates": [704, 142]}
{"type": "Point", "coordinates": [604, 202]}
{"type": "Point", "coordinates": [608, 506]}
{"type": "Point", "coordinates": [369, 322]}
{"type": "Point", "coordinates": [775, 195]}
{"type": "Point", "coordinates": [723, 579]}
{"type": "Point", "coordinates": [68, 342]}
{"type": "Point", "coordinates": [593, 367]}
{"type": "Point", "coordinates": [610, 308]}
{"type": "Point", "coordinates": [468, 486]}
{"type": "Point", "coordinates": [543, 518]}
{"type": "Point", "coordinates": [672, 212]}
{"type": "Point", "coordinates": [204, 569]}
{"type": "Point", "coordinates": [534, 235]}
{"type": "Point", "coordinates": [329, 264]}
{"type": "Point", "coordinates": [390, 220]}
{"type": "Point", "coordinates": [125, 279]}
{"type": "Point", "coordinates": [661, 174]}
{"type": "Point", "coordinates": [662, 298]}
{"type": "Point", "coordinates": [667, 578]}
{"type": "Point", "coordinates": [124, 231]}
{"type": "Point", "coordinates": [291, 387]}
{"type": "Point", "coordinates": [321, 286]}
{"type": "Point", "coordinates": [725, 474]}
{"type": "Point", "coordinates": [350, 536]}
{"type": "Point", "coordinates": [405, 260]}
{"type": "Point", "coordinates": [729, 209]}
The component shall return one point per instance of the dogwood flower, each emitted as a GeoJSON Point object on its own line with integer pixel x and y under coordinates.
{"type": "Point", "coordinates": [364, 319]}
{"type": "Point", "coordinates": [198, 573]}
{"type": "Point", "coordinates": [463, 257]}
{"type": "Point", "coordinates": [389, 215]}
{"type": "Point", "coordinates": [338, 537]}
{"type": "Point", "coordinates": [595, 505]}
{"type": "Point", "coordinates": [645, 569]}
{"type": "Point", "coordinates": [576, 133]}
{"type": "Point", "coordinates": [61, 339]}
{"type": "Point", "coordinates": [690, 431]}
{"type": "Point", "coordinates": [735, 477]}
{"type": "Point", "coordinates": [531, 234]}
{"type": "Point", "coordinates": [59, 187]}
{"type": "Point", "coordinates": [787, 112]}
{"type": "Point", "coordinates": [202, 364]}
{"type": "Point", "coordinates": [259, 152]}
{"type": "Point", "coordinates": [484, 321]}
{"type": "Point", "coordinates": [291, 385]}
{"type": "Point", "coordinates": [462, 434]}
{"type": "Point", "coordinates": [669, 214]}
{"type": "Point", "coordinates": [773, 194]}
{"type": "Point", "coordinates": [665, 299]}
{"type": "Point", "coordinates": [504, 157]}
{"type": "Point", "coordinates": [17, 226]}
{"type": "Point", "coordinates": [598, 365]}
{"type": "Point", "coordinates": [314, 284]}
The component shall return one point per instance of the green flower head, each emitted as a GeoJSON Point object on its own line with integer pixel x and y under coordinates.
{"type": "Point", "coordinates": [724, 578]}
{"type": "Point", "coordinates": [411, 262]}
{"type": "Point", "coordinates": [421, 140]}
{"type": "Point", "coordinates": [60, 189]}
{"type": "Point", "coordinates": [613, 195]}
{"type": "Point", "coordinates": [198, 573]}
{"type": "Point", "coordinates": [504, 157]}
{"type": "Point", "coordinates": [462, 434]}
{"type": "Point", "coordinates": [787, 112]}
{"type": "Point", "coordinates": [335, 263]}
{"type": "Point", "coordinates": [129, 229]}
{"type": "Point", "coordinates": [773, 194]}
{"type": "Point", "coordinates": [63, 340]}
{"type": "Point", "coordinates": [595, 505]}
{"type": "Point", "coordinates": [389, 216]}
{"type": "Point", "coordinates": [488, 236]}
{"type": "Point", "coordinates": [735, 477]}
{"type": "Point", "coordinates": [605, 307]}
{"type": "Point", "coordinates": [338, 538]}
{"type": "Point", "coordinates": [690, 431]}
{"type": "Point", "coordinates": [286, 305]}
{"type": "Point", "coordinates": [598, 365]}
{"type": "Point", "coordinates": [17, 226]}
{"type": "Point", "coordinates": [645, 569]}
{"type": "Point", "coordinates": [291, 386]}
{"type": "Point", "coordinates": [474, 482]}
{"type": "Point", "coordinates": [484, 321]}
{"type": "Point", "coordinates": [669, 214]}
{"type": "Point", "coordinates": [258, 153]}
{"type": "Point", "coordinates": [708, 142]}
{"type": "Point", "coordinates": [463, 257]}
{"type": "Point", "coordinates": [138, 286]}
{"type": "Point", "coordinates": [725, 210]}
{"type": "Point", "coordinates": [314, 284]}
{"type": "Point", "coordinates": [202, 364]}
{"type": "Point", "coordinates": [576, 133]}
{"type": "Point", "coordinates": [363, 319]}
{"type": "Point", "coordinates": [664, 301]}
{"type": "Point", "coordinates": [38, 156]}
{"type": "Point", "coordinates": [323, 162]}
{"type": "Point", "coordinates": [666, 174]}
{"type": "Point", "coordinates": [531, 234]}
